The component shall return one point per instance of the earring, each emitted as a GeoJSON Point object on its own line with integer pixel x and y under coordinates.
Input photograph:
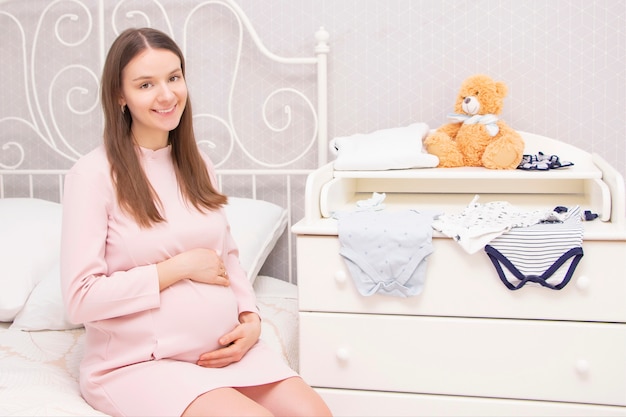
{"type": "Point", "coordinates": [123, 107]}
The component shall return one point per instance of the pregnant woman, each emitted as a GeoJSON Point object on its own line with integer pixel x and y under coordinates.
{"type": "Point", "coordinates": [150, 267]}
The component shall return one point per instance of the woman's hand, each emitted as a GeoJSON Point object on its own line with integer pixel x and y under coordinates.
{"type": "Point", "coordinates": [236, 343]}
{"type": "Point", "coordinates": [200, 265]}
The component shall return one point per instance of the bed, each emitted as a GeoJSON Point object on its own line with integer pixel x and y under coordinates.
{"type": "Point", "coordinates": [258, 101]}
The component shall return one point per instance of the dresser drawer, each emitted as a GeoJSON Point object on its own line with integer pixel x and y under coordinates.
{"type": "Point", "coordinates": [522, 359]}
{"type": "Point", "coordinates": [460, 284]}
{"type": "Point", "coordinates": [355, 403]}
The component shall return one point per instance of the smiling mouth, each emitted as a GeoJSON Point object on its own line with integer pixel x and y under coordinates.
{"type": "Point", "coordinates": [165, 111]}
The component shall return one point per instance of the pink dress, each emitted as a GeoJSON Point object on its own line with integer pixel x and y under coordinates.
{"type": "Point", "coordinates": [142, 344]}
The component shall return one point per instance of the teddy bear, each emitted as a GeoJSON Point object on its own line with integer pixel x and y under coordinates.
{"type": "Point", "coordinates": [476, 136]}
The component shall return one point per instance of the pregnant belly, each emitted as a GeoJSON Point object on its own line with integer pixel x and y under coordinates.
{"type": "Point", "coordinates": [192, 318]}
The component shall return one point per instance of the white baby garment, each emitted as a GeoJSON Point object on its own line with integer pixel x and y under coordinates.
{"type": "Point", "coordinates": [386, 251]}
{"type": "Point", "coordinates": [478, 224]}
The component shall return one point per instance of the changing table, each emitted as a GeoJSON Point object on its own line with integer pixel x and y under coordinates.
{"type": "Point", "coordinates": [467, 345]}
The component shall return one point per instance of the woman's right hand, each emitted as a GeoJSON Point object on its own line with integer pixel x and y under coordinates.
{"type": "Point", "coordinates": [200, 265]}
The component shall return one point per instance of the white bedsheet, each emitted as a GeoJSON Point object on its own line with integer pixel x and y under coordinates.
{"type": "Point", "coordinates": [39, 370]}
{"type": "Point", "coordinates": [38, 373]}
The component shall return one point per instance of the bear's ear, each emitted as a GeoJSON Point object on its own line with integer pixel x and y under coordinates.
{"type": "Point", "coordinates": [502, 89]}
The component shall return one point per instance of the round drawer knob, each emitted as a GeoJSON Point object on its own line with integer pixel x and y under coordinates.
{"type": "Point", "coordinates": [341, 277]}
{"type": "Point", "coordinates": [582, 367]}
{"type": "Point", "coordinates": [583, 282]}
{"type": "Point", "coordinates": [343, 354]}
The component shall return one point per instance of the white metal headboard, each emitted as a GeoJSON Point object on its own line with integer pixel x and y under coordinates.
{"type": "Point", "coordinates": [266, 133]}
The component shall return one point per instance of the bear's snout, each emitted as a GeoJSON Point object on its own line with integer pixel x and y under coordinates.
{"type": "Point", "coordinates": [471, 105]}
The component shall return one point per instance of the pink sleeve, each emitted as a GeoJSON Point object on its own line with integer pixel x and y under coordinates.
{"type": "Point", "coordinates": [89, 291]}
{"type": "Point", "coordinates": [239, 281]}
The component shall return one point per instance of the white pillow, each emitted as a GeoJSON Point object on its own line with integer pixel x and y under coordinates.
{"type": "Point", "coordinates": [30, 244]}
{"type": "Point", "coordinates": [44, 309]}
{"type": "Point", "coordinates": [256, 226]}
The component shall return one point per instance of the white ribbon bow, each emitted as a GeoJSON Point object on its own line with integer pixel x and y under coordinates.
{"type": "Point", "coordinates": [489, 120]}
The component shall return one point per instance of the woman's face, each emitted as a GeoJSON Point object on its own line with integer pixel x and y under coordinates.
{"type": "Point", "coordinates": [155, 92]}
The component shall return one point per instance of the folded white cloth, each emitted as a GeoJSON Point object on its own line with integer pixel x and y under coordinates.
{"type": "Point", "coordinates": [393, 148]}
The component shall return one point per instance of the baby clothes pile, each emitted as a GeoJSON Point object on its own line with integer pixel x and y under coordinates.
{"type": "Point", "coordinates": [394, 148]}
{"type": "Point", "coordinates": [542, 247]}
{"type": "Point", "coordinates": [542, 162]}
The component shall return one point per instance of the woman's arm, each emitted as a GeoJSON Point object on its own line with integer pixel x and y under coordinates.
{"type": "Point", "coordinates": [90, 291]}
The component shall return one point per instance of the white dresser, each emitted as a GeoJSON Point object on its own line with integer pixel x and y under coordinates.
{"type": "Point", "coordinates": [467, 345]}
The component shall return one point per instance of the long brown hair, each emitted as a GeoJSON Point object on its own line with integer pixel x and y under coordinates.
{"type": "Point", "coordinates": [134, 192]}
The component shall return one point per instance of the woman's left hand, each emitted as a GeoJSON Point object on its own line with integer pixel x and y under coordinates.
{"type": "Point", "coordinates": [236, 343]}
